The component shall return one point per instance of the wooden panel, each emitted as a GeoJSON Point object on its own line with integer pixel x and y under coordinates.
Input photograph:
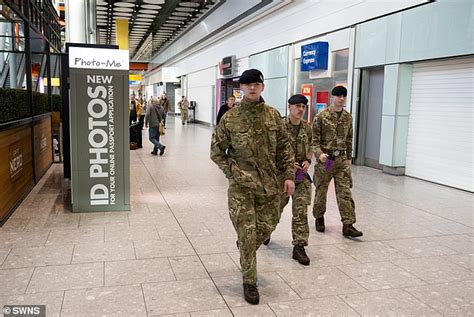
{"type": "Point", "coordinates": [16, 167]}
{"type": "Point", "coordinates": [43, 146]}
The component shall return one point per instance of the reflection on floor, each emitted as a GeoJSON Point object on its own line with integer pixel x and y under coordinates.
{"type": "Point", "coordinates": [175, 254]}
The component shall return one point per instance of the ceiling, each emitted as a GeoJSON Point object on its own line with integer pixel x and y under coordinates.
{"type": "Point", "coordinates": [152, 24]}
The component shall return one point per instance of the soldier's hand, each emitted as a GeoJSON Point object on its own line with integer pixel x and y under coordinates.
{"type": "Point", "coordinates": [349, 162]}
{"type": "Point", "coordinates": [305, 166]}
{"type": "Point", "coordinates": [323, 157]}
{"type": "Point", "coordinates": [289, 187]}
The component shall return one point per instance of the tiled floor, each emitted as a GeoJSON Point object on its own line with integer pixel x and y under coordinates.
{"type": "Point", "coordinates": [174, 254]}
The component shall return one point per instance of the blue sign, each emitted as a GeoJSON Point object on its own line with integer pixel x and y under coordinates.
{"type": "Point", "coordinates": [314, 56]}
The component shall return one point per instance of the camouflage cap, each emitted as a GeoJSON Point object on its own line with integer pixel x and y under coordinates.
{"type": "Point", "coordinates": [298, 98]}
{"type": "Point", "coordinates": [339, 91]}
{"type": "Point", "coordinates": [251, 76]}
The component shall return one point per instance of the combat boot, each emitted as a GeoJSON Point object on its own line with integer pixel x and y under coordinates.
{"type": "Point", "coordinates": [320, 224]}
{"type": "Point", "coordinates": [251, 294]}
{"type": "Point", "coordinates": [299, 254]}
{"type": "Point", "coordinates": [350, 231]}
{"type": "Point", "coordinates": [266, 242]}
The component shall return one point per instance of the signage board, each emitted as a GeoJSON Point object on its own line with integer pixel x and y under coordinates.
{"type": "Point", "coordinates": [100, 156]}
{"type": "Point", "coordinates": [227, 66]}
{"type": "Point", "coordinates": [314, 56]}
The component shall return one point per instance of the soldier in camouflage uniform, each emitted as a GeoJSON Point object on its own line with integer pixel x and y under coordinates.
{"type": "Point", "coordinates": [300, 135]}
{"type": "Point", "coordinates": [332, 140]}
{"type": "Point", "coordinates": [250, 145]}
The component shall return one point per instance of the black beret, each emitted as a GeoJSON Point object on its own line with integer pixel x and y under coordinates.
{"type": "Point", "coordinates": [251, 76]}
{"type": "Point", "coordinates": [297, 99]}
{"type": "Point", "coordinates": [339, 91]}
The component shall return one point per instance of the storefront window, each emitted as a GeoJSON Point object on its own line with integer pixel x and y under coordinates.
{"type": "Point", "coordinates": [321, 87]}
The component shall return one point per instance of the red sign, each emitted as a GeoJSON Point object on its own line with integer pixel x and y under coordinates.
{"type": "Point", "coordinates": [307, 91]}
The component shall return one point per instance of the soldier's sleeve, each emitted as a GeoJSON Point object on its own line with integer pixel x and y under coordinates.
{"type": "Point", "coordinates": [316, 141]}
{"type": "Point", "coordinates": [147, 115]}
{"type": "Point", "coordinates": [349, 142]}
{"type": "Point", "coordinates": [310, 141]}
{"type": "Point", "coordinates": [219, 145]}
{"type": "Point", "coordinates": [285, 157]}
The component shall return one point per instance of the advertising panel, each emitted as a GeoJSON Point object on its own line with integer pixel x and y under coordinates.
{"type": "Point", "coordinates": [314, 56]}
{"type": "Point", "coordinates": [100, 156]}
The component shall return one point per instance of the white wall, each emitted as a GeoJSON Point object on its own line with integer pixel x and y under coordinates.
{"type": "Point", "coordinates": [200, 88]}
{"type": "Point", "coordinates": [293, 23]}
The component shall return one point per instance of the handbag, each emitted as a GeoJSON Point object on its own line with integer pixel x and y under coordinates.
{"type": "Point", "coordinates": [161, 128]}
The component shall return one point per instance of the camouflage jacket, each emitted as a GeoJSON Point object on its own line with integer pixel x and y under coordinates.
{"type": "Point", "coordinates": [251, 146]}
{"type": "Point", "coordinates": [183, 105]}
{"type": "Point", "coordinates": [331, 134]}
{"type": "Point", "coordinates": [300, 139]}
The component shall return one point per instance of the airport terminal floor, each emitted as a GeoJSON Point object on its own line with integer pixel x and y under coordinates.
{"type": "Point", "coordinates": [175, 254]}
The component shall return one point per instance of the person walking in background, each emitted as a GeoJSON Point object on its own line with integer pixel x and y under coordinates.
{"type": "Point", "coordinates": [165, 104]}
{"type": "Point", "coordinates": [134, 109]}
{"type": "Point", "coordinates": [184, 106]}
{"type": "Point", "coordinates": [332, 146]}
{"type": "Point", "coordinates": [251, 146]}
{"type": "Point", "coordinates": [224, 108]}
{"type": "Point", "coordinates": [154, 115]}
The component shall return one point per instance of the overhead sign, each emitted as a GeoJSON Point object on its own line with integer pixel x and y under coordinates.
{"type": "Point", "coordinates": [99, 129]}
{"type": "Point", "coordinates": [228, 66]}
{"type": "Point", "coordinates": [314, 56]}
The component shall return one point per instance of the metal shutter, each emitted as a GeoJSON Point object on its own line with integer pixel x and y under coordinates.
{"type": "Point", "coordinates": [440, 129]}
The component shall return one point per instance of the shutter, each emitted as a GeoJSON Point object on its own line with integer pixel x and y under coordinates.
{"type": "Point", "coordinates": [440, 130]}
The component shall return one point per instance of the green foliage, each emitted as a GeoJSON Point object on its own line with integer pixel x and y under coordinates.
{"type": "Point", "coordinates": [14, 104]}
{"type": "Point", "coordinates": [57, 103]}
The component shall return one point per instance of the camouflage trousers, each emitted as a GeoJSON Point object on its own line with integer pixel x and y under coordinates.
{"type": "Point", "coordinates": [184, 116]}
{"type": "Point", "coordinates": [254, 218]}
{"type": "Point", "coordinates": [341, 173]}
{"type": "Point", "coordinates": [299, 207]}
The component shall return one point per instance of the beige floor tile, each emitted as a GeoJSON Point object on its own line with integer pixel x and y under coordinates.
{"type": "Point", "coordinates": [93, 219]}
{"type": "Point", "coordinates": [327, 255]}
{"type": "Point", "coordinates": [380, 275]}
{"type": "Point", "coordinates": [15, 224]}
{"type": "Point", "coordinates": [212, 244]}
{"type": "Point", "coordinates": [374, 251]}
{"type": "Point", "coordinates": [165, 247]}
{"type": "Point", "coordinates": [465, 261]}
{"type": "Point", "coordinates": [253, 311]}
{"type": "Point", "coordinates": [14, 281]}
{"type": "Point", "coordinates": [56, 221]}
{"type": "Point", "coordinates": [76, 236]}
{"type": "Point", "coordinates": [324, 306]}
{"type": "Point", "coordinates": [272, 260]}
{"type": "Point", "coordinates": [52, 300]}
{"type": "Point", "coordinates": [188, 267]}
{"type": "Point", "coordinates": [463, 244]}
{"type": "Point", "coordinates": [435, 269]}
{"type": "Point", "coordinates": [23, 240]}
{"type": "Point", "coordinates": [420, 247]}
{"type": "Point", "coordinates": [212, 313]}
{"type": "Point", "coordinates": [317, 282]}
{"type": "Point", "coordinates": [117, 233]}
{"type": "Point", "coordinates": [138, 271]}
{"type": "Point", "coordinates": [3, 255]}
{"type": "Point", "coordinates": [388, 303]}
{"type": "Point", "coordinates": [181, 296]}
{"type": "Point", "coordinates": [39, 256]}
{"type": "Point", "coordinates": [270, 286]}
{"type": "Point", "coordinates": [66, 277]}
{"type": "Point", "coordinates": [220, 264]}
{"type": "Point", "coordinates": [103, 251]}
{"type": "Point", "coordinates": [107, 301]}
{"type": "Point", "coordinates": [450, 299]}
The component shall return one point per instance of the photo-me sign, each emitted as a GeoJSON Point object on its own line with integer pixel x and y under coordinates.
{"type": "Point", "coordinates": [314, 56]}
{"type": "Point", "coordinates": [100, 156]}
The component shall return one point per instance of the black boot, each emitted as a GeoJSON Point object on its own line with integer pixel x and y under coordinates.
{"type": "Point", "coordinates": [320, 224]}
{"type": "Point", "coordinates": [251, 294]}
{"type": "Point", "coordinates": [299, 254]}
{"type": "Point", "coordinates": [266, 242]}
{"type": "Point", "coordinates": [350, 231]}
